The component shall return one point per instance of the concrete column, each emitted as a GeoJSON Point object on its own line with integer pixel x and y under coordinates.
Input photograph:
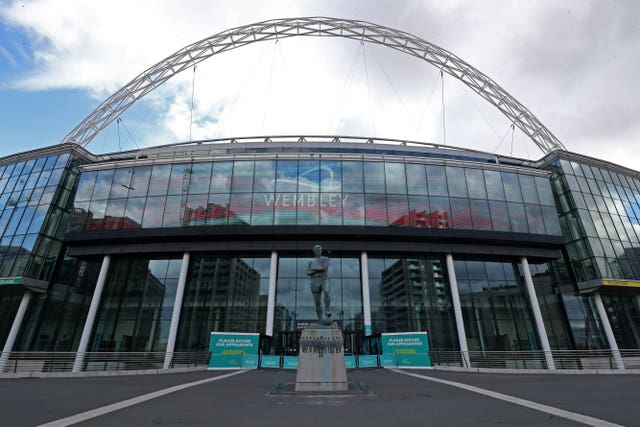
{"type": "Point", "coordinates": [457, 311]}
{"type": "Point", "coordinates": [15, 328]}
{"type": "Point", "coordinates": [604, 321]}
{"type": "Point", "coordinates": [91, 316]}
{"type": "Point", "coordinates": [177, 306]}
{"type": "Point", "coordinates": [366, 301]}
{"type": "Point", "coordinates": [537, 314]}
{"type": "Point", "coordinates": [271, 299]}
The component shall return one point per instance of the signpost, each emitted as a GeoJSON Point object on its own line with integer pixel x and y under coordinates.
{"type": "Point", "coordinates": [405, 350]}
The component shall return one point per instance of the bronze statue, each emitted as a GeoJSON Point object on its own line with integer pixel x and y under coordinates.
{"type": "Point", "coordinates": [317, 270]}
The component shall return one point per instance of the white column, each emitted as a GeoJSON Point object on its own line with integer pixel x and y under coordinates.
{"type": "Point", "coordinates": [366, 301]}
{"type": "Point", "coordinates": [91, 316]}
{"type": "Point", "coordinates": [537, 314]}
{"type": "Point", "coordinates": [604, 320]}
{"type": "Point", "coordinates": [177, 306]}
{"type": "Point", "coordinates": [15, 328]}
{"type": "Point", "coordinates": [457, 311]}
{"type": "Point", "coordinates": [271, 299]}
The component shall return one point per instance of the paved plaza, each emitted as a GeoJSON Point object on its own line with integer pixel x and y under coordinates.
{"type": "Point", "coordinates": [231, 398]}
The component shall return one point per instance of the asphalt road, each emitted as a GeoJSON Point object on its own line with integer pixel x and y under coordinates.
{"type": "Point", "coordinates": [397, 400]}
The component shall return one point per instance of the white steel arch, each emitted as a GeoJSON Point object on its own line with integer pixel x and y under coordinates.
{"type": "Point", "coordinates": [275, 29]}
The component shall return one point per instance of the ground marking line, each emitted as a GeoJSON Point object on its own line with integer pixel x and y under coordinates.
{"type": "Point", "coordinates": [130, 402]}
{"type": "Point", "coordinates": [584, 419]}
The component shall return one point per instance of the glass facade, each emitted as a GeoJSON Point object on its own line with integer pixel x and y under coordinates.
{"type": "Point", "coordinates": [295, 307]}
{"type": "Point", "coordinates": [313, 192]}
{"type": "Point", "coordinates": [600, 215]}
{"type": "Point", "coordinates": [593, 207]}
{"type": "Point", "coordinates": [34, 199]}
{"type": "Point", "coordinates": [55, 319]}
{"type": "Point", "coordinates": [494, 304]}
{"type": "Point", "coordinates": [412, 294]}
{"type": "Point", "coordinates": [223, 294]}
{"type": "Point", "coordinates": [137, 304]}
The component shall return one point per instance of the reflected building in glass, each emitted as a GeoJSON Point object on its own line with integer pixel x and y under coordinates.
{"type": "Point", "coordinates": [420, 237]}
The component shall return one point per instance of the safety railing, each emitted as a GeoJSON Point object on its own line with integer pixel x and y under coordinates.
{"type": "Point", "coordinates": [41, 361]}
{"type": "Point", "coordinates": [563, 359]}
{"type": "Point", "coordinates": [524, 360]}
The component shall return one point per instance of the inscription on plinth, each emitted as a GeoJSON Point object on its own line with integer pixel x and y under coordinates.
{"type": "Point", "coordinates": [321, 365]}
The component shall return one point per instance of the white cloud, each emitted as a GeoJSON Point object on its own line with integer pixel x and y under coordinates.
{"type": "Point", "coordinates": [572, 63]}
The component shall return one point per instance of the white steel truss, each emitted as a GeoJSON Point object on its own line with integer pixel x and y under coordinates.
{"type": "Point", "coordinates": [275, 29]}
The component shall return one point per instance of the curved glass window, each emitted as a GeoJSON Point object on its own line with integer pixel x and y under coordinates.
{"type": "Point", "coordinates": [312, 192]}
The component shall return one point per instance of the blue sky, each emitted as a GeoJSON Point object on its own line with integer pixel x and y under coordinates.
{"type": "Point", "coordinates": [572, 63]}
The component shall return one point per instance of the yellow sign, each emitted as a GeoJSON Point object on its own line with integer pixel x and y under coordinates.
{"type": "Point", "coordinates": [616, 282]}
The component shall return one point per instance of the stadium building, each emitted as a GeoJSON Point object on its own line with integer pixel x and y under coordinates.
{"type": "Point", "coordinates": [149, 251]}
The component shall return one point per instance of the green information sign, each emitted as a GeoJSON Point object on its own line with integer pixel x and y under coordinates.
{"type": "Point", "coordinates": [11, 281]}
{"type": "Point", "coordinates": [405, 349]}
{"type": "Point", "coordinates": [231, 350]}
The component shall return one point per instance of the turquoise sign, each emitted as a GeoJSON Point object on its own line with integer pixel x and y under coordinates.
{"type": "Point", "coordinates": [368, 361]}
{"type": "Point", "coordinates": [233, 350]}
{"type": "Point", "coordinates": [349, 362]}
{"type": "Point", "coordinates": [406, 349]}
{"type": "Point", "coordinates": [270, 362]}
{"type": "Point", "coordinates": [290, 362]}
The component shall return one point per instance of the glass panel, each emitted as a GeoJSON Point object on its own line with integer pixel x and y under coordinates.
{"type": "Point", "coordinates": [217, 209]}
{"type": "Point", "coordinates": [353, 209]}
{"type": "Point", "coordinates": [103, 184]}
{"type": "Point", "coordinates": [153, 211]}
{"type": "Point", "coordinates": [308, 176]}
{"type": "Point", "coordinates": [544, 191]}
{"type": "Point", "coordinates": [85, 186]}
{"type": "Point", "coordinates": [436, 180]}
{"type": "Point", "coordinates": [179, 180]}
{"type": "Point", "coordinates": [475, 183]}
{"type": "Point", "coordinates": [195, 212]}
{"type": "Point", "coordinates": [398, 211]}
{"type": "Point", "coordinates": [529, 194]}
{"type": "Point", "coordinates": [352, 180]}
{"type": "Point", "coordinates": [440, 212]}
{"type": "Point", "coordinates": [460, 213]}
{"type": "Point", "coordinates": [499, 216]}
{"type": "Point", "coordinates": [495, 189]}
{"type": "Point", "coordinates": [121, 183]}
{"type": "Point", "coordinates": [308, 208]}
{"type": "Point", "coordinates": [511, 187]}
{"type": "Point", "coordinates": [140, 181]}
{"type": "Point", "coordinates": [395, 178]}
{"type": "Point", "coordinates": [221, 177]}
{"type": "Point", "coordinates": [159, 182]}
{"type": "Point", "coordinates": [456, 182]}
{"type": "Point", "coordinates": [331, 208]}
{"type": "Point", "coordinates": [133, 212]}
{"type": "Point", "coordinates": [416, 179]}
{"type": "Point", "coordinates": [419, 214]}
{"type": "Point", "coordinates": [240, 209]}
{"type": "Point", "coordinates": [535, 219]}
{"type": "Point", "coordinates": [200, 178]}
{"type": "Point", "coordinates": [376, 209]}
{"type": "Point", "coordinates": [374, 177]}
{"type": "Point", "coordinates": [265, 176]}
{"type": "Point", "coordinates": [330, 176]}
{"type": "Point", "coordinates": [287, 176]}
{"type": "Point", "coordinates": [480, 214]}
{"type": "Point", "coordinates": [262, 209]}
{"type": "Point", "coordinates": [518, 218]}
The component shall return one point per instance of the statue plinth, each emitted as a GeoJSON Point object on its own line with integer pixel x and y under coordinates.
{"type": "Point", "coordinates": [321, 361]}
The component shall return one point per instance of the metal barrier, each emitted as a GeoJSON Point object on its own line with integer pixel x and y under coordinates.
{"type": "Point", "coordinates": [564, 359]}
{"type": "Point", "coordinates": [37, 361]}
{"type": "Point", "coordinates": [42, 361]}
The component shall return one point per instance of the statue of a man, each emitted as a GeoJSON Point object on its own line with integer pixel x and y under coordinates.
{"type": "Point", "coordinates": [317, 271]}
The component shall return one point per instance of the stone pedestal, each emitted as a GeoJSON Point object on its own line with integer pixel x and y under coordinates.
{"type": "Point", "coordinates": [321, 361]}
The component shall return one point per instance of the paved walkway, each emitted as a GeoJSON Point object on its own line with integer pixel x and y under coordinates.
{"type": "Point", "coordinates": [428, 398]}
